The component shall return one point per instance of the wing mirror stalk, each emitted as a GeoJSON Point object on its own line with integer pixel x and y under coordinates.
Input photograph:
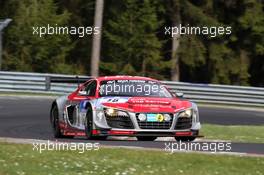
{"type": "Point", "coordinates": [179, 94]}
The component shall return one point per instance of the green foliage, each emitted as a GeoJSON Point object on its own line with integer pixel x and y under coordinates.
{"type": "Point", "coordinates": [29, 52]}
{"type": "Point", "coordinates": [81, 14]}
{"type": "Point", "coordinates": [131, 42]}
{"type": "Point", "coordinates": [196, 51]}
{"type": "Point", "coordinates": [226, 59]}
{"type": "Point", "coordinates": [251, 38]}
{"type": "Point", "coordinates": [134, 42]}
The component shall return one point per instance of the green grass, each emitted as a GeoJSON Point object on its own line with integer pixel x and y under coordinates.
{"type": "Point", "coordinates": [21, 159]}
{"type": "Point", "coordinates": [254, 134]}
{"type": "Point", "coordinates": [230, 106]}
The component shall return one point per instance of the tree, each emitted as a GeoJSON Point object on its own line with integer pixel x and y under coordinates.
{"type": "Point", "coordinates": [134, 42]}
{"type": "Point", "coordinates": [96, 47]}
{"type": "Point", "coordinates": [222, 59]}
{"type": "Point", "coordinates": [176, 21]}
{"type": "Point", "coordinates": [28, 52]}
{"type": "Point", "coordinates": [130, 40]}
{"type": "Point", "coordinates": [81, 14]}
{"type": "Point", "coordinates": [250, 40]}
{"type": "Point", "coordinates": [187, 51]}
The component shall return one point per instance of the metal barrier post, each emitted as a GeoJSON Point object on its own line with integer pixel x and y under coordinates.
{"type": "Point", "coordinates": [47, 79]}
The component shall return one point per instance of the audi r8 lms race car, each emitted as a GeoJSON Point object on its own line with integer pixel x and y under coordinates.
{"type": "Point", "coordinates": [124, 106]}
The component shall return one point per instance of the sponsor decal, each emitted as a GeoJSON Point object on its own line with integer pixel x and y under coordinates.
{"type": "Point", "coordinates": [114, 99]}
{"type": "Point", "coordinates": [155, 118]}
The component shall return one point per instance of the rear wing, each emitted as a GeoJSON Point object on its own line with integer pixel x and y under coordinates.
{"type": "Point", "coordinates": [70, 80]}
{"type": "Point", "coordinates": [76, 79]}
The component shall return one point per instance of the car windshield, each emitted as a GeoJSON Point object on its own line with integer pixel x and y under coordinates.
{"type": "Point", "coordinates": [132, 88]}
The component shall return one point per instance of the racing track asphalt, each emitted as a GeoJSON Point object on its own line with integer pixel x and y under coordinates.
{"type": "Point", "coordinates": [27, 117]}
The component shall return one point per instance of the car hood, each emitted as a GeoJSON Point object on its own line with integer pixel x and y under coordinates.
{"type": "Point", "coordinates": [146, 104]}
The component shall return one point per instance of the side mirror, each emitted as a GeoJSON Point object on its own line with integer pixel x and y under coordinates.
{"type": "Point", "coordinates": [82, 93]}
{"type": "Point", "coordinates": [179, 94]}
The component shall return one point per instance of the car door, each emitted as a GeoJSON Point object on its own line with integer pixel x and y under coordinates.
{"type": "Point", "coordinates": [84, 93]}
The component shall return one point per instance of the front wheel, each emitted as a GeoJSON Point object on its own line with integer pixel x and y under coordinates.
{"type": "Point", "coordinates": [146, 138]}
{"type": "Point", "coordinates": [89, 123]}
{"type": "Point", "coordinates": [54, 119]}
{"type": "Point", "coordinates": [89, 126]}
{"type": "Point", "coordinates": [185, 139]}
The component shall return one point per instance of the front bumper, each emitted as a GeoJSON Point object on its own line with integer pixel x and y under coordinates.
{"type": "Point", "coordinates": [102, 128]}
{"type": "Point", "coordinates": [133, 133]}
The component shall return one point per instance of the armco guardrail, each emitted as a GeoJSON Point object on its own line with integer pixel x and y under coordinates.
{"type": "Point", "coordinates": [202, 93]}
{"type": "Point", "coordinates": [36, 82]}
{"type": "Point", "coordinates": [220, 94]}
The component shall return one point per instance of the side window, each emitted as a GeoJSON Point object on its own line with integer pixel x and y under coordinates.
{"type": "Point", "coordinates": [89, 89]}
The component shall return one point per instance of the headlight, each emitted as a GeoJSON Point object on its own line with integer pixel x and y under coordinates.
{"type": "Point", "coordinates": [114, 112]}
{"type": "Point", "coordinates": [187, 113]}
{"type": "Point", "coordinates": [167, 117]}
{"type": "Point", "coordinates": [110, 111]}
{"type": "Point", "coordinates": [142, 117]}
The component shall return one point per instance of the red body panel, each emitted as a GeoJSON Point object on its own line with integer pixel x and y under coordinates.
{"type": "Point", "coordinates": [134, 104]}
{"type": "Point", "coordinates": [145, 104]}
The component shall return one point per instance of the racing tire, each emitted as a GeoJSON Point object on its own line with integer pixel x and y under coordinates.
{"type": "Point", "coordinates": [54, 118]}
{"type": "Point", "coordinates": [146, 138]}
{"type": "Point", "coordinates": [89, 123]}
{"type": "Point", "coordinates": [99, 137]}
{"type": "Point", "coordinates": [89, 126]}
{"type": "Point", "coordinates": [185, 139]}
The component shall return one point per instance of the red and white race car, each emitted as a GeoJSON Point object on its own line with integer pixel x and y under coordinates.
{"type": "Point", "coordinates": [124, 106]}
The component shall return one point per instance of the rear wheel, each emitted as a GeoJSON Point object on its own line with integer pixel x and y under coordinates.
{"type": "Point", "coordinates": [146, 138]}
{"type": "Point", "coordinates": [185, 139]}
